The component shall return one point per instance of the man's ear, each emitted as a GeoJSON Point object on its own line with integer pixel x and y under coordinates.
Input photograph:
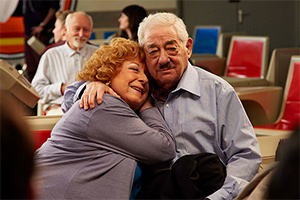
{"type": "Point", "coordinates": [189, 47]}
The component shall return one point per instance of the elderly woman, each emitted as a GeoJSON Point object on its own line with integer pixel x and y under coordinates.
{"type": "Point", "coordinates": [93, 154]}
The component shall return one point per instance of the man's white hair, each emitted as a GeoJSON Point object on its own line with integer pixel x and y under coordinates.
{"type": "Point", "coordinates": [68, 19]}
{"type": "Point", "coordinates": [162, 19]}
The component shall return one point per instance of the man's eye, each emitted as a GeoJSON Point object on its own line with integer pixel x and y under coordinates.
{"type": "Point", "coordinates": [153, 52]}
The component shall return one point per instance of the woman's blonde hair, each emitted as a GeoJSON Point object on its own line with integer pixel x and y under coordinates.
{"type": "Point", "coordinates": [106, 61]}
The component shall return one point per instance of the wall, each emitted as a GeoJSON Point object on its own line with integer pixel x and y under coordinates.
{"type": "Point", "coordinates": [279, 20]}
{"type": "Point", "coordinates": [106, 12]}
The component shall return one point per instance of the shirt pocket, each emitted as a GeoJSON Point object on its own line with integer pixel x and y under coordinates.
{"type": "Point", "coordinates": [197, 137]}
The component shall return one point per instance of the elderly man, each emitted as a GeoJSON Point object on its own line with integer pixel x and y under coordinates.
{"type": "Point", "coordinates": [202, 110]}
{"type": "Point", "coordinates": [59, 65]}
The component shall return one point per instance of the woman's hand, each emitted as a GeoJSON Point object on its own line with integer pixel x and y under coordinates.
{"type": "Point", "coordinates": [93, 89]}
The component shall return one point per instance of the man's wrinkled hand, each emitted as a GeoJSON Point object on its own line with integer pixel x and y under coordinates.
{"type": "Point", "coordinates": [93, 90]}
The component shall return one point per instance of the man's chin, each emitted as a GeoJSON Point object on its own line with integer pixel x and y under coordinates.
{"type": "Point", "coordinates": [79, 45]}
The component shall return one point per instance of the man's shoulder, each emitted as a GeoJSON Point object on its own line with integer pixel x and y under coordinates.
{"type": "Point", "coordinates": [208, 80]}
{"type": "Point", "coordinates": [91, 46]}
{"type": "Point", "coordinates": [55, 49]}
{"type": "Point", "coordinates": [206, 75]}
{"type": "Point", "coordinates": [53, 45]}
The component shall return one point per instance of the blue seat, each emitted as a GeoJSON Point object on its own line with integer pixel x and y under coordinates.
{"type": "Point", "coordinates": [206, 39]}
{"type": "Point", "coordinates": [106, 34]}
{"type": "Point", "coordinates": [93, 36]}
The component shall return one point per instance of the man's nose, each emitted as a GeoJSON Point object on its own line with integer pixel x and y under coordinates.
{"type": "Point", "coordinates": [81, 33]}
{"type": "Point", "coordinates": [163, 58]}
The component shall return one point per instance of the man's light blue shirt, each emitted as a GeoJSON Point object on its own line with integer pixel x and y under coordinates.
{"type": "Point", "coordinates": [205, 115]}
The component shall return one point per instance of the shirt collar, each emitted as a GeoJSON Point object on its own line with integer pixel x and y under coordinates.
{"type": "Point", "coordinates": [189, 81]}
{"type": "Point", "coordinates": [71, 52]}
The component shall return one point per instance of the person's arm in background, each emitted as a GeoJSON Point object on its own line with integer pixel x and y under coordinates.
{"type": "Point", "coordinates": [238, 146]}
{"type": "Point", "coordinates": [36, 30]}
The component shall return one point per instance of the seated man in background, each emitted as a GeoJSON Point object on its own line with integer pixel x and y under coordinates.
{"type": "Point", "coordinates": [59, 31]}
{"type": "Point", "coordinates": [59, 65]}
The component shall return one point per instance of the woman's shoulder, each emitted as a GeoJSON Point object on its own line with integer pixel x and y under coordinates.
{"type": "Point", "coordinates": [112, 101]}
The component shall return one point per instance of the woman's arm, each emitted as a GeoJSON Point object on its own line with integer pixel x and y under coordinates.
{"type": "Point", "coordinates": [117, 127]}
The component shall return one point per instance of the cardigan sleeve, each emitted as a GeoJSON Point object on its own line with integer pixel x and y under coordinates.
{"type": "Point", "coordinates": [118, 128]}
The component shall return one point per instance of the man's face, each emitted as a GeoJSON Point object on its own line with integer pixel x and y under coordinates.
{"type": "Point", "coordinates": [79, 32]}
{"type": "Point", "coordinates": [166, 55]}
{"type": "Point", "coordinates": [58, 31]}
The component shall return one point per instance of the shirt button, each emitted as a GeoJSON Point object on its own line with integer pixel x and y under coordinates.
{"type": "Point", "coordinates": [167, 105]}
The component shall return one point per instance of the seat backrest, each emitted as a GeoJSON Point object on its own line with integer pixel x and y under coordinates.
{"type": "Point", "coordinates": [224, 42]}
{"type": "Point", "coordinates": [289, 116]}
{"type": "Point", "coordinates": [279, 65]}
{"type": "Point", "coordinates": [39, 137]}
{"type": "Point", "coordinates": [247, 57]}
{"type": "Point", "coordinates": [206, 39]}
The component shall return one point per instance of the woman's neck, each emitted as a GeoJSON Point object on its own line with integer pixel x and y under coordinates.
{"type": "Point", "coordinates": [129, 34]}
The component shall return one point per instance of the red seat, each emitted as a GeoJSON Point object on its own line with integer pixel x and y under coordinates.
{"type": "Point", "coordinates": [247, 57]}
{"type": "Point", "coordinates": [289, 117]}
{"type": "Point", "coordinates": [39, 137]}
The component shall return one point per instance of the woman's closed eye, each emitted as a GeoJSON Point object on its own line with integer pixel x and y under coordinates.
{"type": "Point", "coordinates": [135, 69]}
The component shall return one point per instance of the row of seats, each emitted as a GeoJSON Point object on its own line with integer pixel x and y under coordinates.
{"type": "Point", "coordinates": [245, 65]}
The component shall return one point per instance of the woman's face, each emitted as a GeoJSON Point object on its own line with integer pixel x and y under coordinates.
{"type": "Point", "coordinates": [124, 22]}
{"type": "Point", "coordinates": [131, 83]}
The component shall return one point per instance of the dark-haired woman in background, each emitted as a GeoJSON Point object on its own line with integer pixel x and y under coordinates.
{"type": "Point", "coordinates": [129, 22]}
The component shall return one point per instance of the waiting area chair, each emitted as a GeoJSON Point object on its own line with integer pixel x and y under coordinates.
{"type": "Point", "coordinates": [224, 43]}
{"type": "Point", "coordinates": [276, 73]}
{"type": "Point", "coordinates": [289, 116]}
{"type": "Point", "coordinates": [247, 57]}
{"type": "Point", "coordinates": [206, 39]}
{"type": "Point", "coordinates": [41, 127]}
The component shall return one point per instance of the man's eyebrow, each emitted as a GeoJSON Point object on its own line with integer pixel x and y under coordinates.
{"type": "Point", "coordinates": [167, 43]}
{"type": "Point", "coordinates": [171, 42]}
{"type": "Point", "coordinates": [151, 46]}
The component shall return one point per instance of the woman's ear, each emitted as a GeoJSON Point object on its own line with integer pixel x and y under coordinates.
{"type": "Point", "coordinates": [189, 47]}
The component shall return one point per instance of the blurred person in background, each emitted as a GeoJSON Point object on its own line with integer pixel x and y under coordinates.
{"type": "Point", "coordinates": [59, 31]}
{"type": "Point", "coordinates": [17, 166]}
{"type": "Point", "coordinates": [129, 22]}
{"type": "Point", "coordinates": [39, 19]}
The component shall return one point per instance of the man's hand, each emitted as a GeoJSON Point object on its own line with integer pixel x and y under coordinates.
{"type": "Point", "coordinates": [92, 90]}
{"type": "Point", "coordinates": [147, 104]}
